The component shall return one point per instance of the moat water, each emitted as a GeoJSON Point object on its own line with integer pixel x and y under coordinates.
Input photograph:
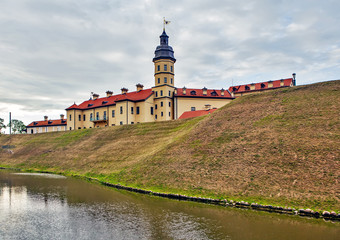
{"type": "Point", "coordinates": [45, 206]}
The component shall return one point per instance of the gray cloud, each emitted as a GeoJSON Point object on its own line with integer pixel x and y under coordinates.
{"type": "Point", "coordinates": [56, 52]}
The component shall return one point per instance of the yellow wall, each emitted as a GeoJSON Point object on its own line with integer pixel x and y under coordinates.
{"type": "Point", "coordinates": [45, 129]}
{"type": "Point", "coordinates": [145, 108]}
{"type": "Point", "coordinates": [161, 73]}
{"type": "Point", "coordinates": [127, 116]}
{"type": "Point", "coordinates": [121, 118]}
{"type": "Point", "coordinates": [101, 121]}
{"type": "Point", "coordinates": [72, 119]}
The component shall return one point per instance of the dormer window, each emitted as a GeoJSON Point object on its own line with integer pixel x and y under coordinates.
{"type": "Point", "coordinates": [35, 123]}
{"type": "Point", "coordinates": [234, 89]}
{"type": "Point", "coordinates": [247, 88]}
{"type": "Point", "coordinates": [214, 93]}
{"type": "Point", "coordinates": [49, 122]}
{"type": "Point", "coordinates": [90, 105]}
{"type": "Point", "coordinates": [104, 102]}
{"type": "Point", "coordinates": [193, 93]}
{"type": "Point", "coordinates": [205, 91]}
{"type": "Point", "coordinates": [263, 85]}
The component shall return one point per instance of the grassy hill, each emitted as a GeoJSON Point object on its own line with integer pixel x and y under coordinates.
{"type": "Point", "coordinates": [279, 147]}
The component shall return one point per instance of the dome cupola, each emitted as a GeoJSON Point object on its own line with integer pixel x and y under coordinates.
{"type": "Point", "coordinates": [164, 51]}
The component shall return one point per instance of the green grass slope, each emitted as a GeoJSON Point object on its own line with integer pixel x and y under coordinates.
{"type": "Point", "coordinates": [279, 147]}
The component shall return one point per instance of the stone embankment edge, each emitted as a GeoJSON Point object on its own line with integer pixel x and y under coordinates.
{"type": "Point", "coordinates": [333, 216]}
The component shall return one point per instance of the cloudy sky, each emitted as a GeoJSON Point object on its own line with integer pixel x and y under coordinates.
{"type": "Point", "coordinates": [56, 52]}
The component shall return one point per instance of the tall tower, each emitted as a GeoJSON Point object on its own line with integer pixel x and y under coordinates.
{"type": "Point", "coordinates": [164, 61]}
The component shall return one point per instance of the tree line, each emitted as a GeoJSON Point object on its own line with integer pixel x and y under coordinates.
{"type": "Point", "coordinates": [17, 126]}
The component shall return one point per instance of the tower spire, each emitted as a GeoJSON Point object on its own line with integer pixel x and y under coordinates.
{"type": "Point", "coordinates": [164, 51]}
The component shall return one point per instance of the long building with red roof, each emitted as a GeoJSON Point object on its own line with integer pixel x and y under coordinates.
{"type": "Point", "coordinates": [47, 125]}
{"type": "Point", "coordinates": [245, 89]}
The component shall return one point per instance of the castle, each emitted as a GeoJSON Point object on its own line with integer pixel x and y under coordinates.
{"type": "Point", "coordinates": [162, 102]}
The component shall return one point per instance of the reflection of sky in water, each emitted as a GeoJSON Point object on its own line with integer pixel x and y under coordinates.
{"type": "Point", "coordinates": [42, 216]}
{"type": "Point", "coordinates": [36, 206]}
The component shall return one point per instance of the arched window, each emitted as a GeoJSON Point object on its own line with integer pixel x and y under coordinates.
{"type": "Point", "coordinates": [193, 92]}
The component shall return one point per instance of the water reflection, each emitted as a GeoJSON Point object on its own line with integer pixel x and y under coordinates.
{"type": "Point", "coordinates": [49, 207]}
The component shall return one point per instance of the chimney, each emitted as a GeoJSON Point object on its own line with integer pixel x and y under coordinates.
{"type": "Point", "coordinates": [124, 90]}
{"type": "Point", "coordinates": [204, 91]}
{"type": "Point", "coordinates": [62, 116]}
{"type": "Point", "coordinates": [45, 118]}
{"type": "Point", "coordinates": [294, 80]}
{"type": "Point", "coordinates": [222, 92]}
{"type": "Point", "coordinates": [232, 93]}
{"type": "Point", "coordinates": [109, 93]}
{"type": "Point", "coordinates": [139, 87]}
{"type": "Point", "coordinates": [95, 96]}
{"type": "Point", "coordinates": [184, 90]}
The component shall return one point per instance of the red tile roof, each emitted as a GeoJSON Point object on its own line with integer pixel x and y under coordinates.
{"type": "Point", "coordinates": [57, 122]}
{"type": "Point", "coordinates": [108, 101]}
{"type": "Point", "coordinates": [211, 93]}
{"type": "Point", "coordinates": [261, 86]}
{"type": "Point", "coordinates": [198, 113]}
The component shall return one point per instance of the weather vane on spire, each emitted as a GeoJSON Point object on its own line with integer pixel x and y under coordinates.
{"type": "Point", "coordinates": [165, 22]}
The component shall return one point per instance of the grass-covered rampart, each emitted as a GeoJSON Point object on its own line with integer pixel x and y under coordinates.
{"type": "Point", "coordinates": [279, 148]}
